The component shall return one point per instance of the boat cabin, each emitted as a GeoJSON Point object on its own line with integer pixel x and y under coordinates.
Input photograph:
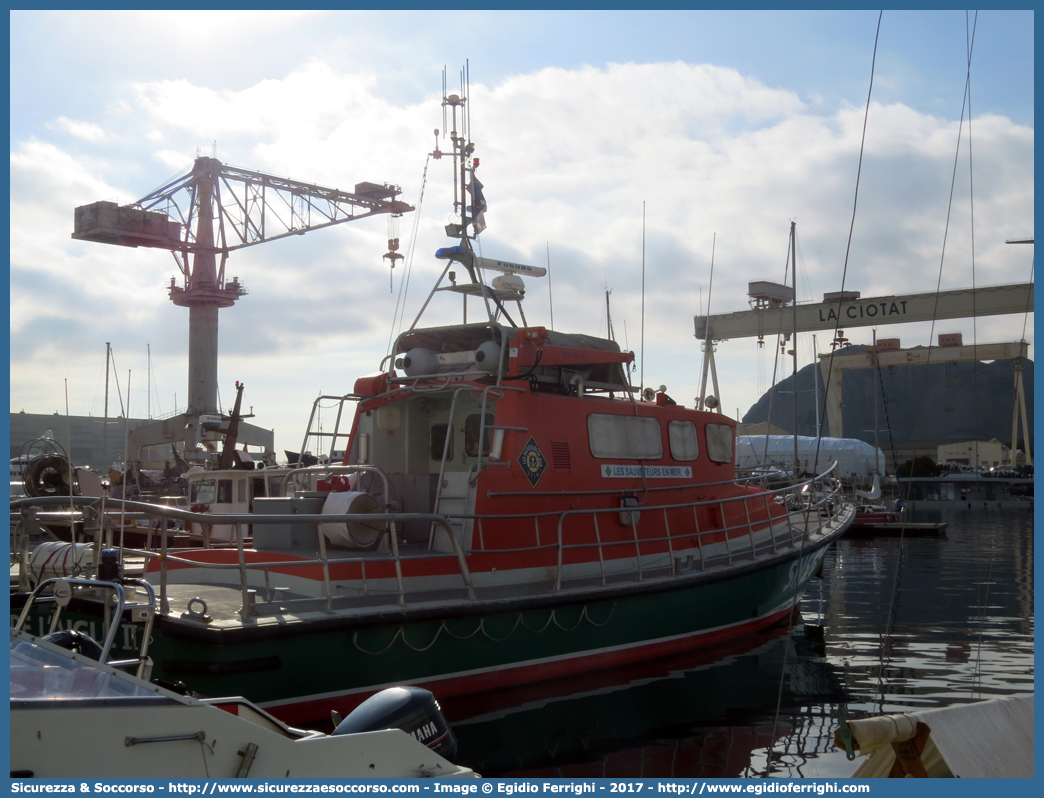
{"type": "Point", "coordinates": [231, 490]}
{"type": "Point", "coordinates": [500, 429]}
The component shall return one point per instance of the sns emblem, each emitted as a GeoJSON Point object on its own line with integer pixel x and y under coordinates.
{"type": "Point", "coordinates": [532, 461]}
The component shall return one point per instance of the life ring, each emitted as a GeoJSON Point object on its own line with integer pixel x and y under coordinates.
{"type": "Point", "coordinates": [49, 475]}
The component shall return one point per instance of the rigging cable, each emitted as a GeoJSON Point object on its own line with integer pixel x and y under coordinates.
{"type": "Point", "coordinates": [550, 295]}
{"type": "Point", "coordinates": [977, 672]}
{"type": "Point", "coordinates": [775, 366]}
{"type": "Point", "coordinates": [404, 281]}
{"type": "Point", "coordinates": [819, 439]}
{"type": "Point", "coordinates": [931, 338]}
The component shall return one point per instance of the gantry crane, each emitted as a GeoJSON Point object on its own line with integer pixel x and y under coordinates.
{"type": "Point", "coordinates": [248, 208]}
{"type": "Point", "coordinates": [774, 313]}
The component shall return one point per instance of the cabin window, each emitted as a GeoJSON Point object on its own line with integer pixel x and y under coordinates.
{"type": "Point", "coordinates": [438, 442]}
{"type": "Point", "coordinates": [471, 434]}
{"type": "Point", "coordinates": [257, 488]}
{"type": "Point", "coordinates": [203, 492]}
{"type": "Point", "coordinates": [624, 437]}
{"type": "Point", "coordinates": [275, 486]}
{"type": "Point", "coordinates": [224, 491]}
{"type": "Point", "coordinates": [241, 491]}
{"type": "Point", "coordinates": [684, 445]}
{"type": "Point", "coordinates": [719, 443]}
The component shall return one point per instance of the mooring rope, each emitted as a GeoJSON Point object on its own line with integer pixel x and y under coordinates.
{"type": "Point", "coordinates": [552, 618]}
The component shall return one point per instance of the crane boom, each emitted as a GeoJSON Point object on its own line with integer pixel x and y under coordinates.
{"type": "Point", "coordinates": [250, 208]}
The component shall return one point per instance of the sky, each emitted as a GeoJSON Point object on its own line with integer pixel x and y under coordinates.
{"type": "Point", "coordinates": [720, 127]}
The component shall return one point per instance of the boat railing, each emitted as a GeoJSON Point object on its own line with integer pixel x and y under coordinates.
{"type": "Point", "coordinates": [59, 592]}
{"type": "Point", "coordinates": [486, 392]}
{"type": "Point", "coordinates": [239, 521]}
{"type": "Point", "coordinates": [821, 502]}
{"type": "Point", "coordinates": [649, 489]}
{"type": "Point", "coordinates": [819, 496]}
{"type": "Point", "coordinates": [333, 436]}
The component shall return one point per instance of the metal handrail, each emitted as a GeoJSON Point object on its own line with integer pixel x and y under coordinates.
{"type": "Point", "coordinates": [349, 397]}
{"type": "Point", "coordinates": [653, 489]}
{"type": "Point", "coordinates": [238, 519]}
{"type": "Point", "coordinates": [121, 605]}
{"type": "Point", "coordinates": [826, 499]}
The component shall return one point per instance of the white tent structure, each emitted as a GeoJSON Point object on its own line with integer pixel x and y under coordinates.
{"type": "Point", "coordinates": [856, 460]}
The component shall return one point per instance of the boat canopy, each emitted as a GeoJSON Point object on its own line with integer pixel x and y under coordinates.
{"type": "Point", "coordinates": [987, 739]}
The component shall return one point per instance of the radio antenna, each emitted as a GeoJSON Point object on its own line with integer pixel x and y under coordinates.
{"type": "Point", "coordinates": [550, 295]}
{"type": "Point", "coordinates": [641, 375]}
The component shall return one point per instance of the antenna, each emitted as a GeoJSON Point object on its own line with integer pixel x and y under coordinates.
{"type": "Point", "coordinates": [793, 341]}
{"type": "Point", "coordinates": [708, 341]}
{"type": "Point", "coordinates": [641, 376]}
{"type": "Point", "coordinates": [550, 295]}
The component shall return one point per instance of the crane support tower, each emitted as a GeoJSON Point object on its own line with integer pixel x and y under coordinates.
{"type": "Point", "coordinates": [210, 211]}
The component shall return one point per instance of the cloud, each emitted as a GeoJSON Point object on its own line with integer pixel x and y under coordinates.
{"type": "Point", "coordinates": [568, 157]}
{"type": "Point", "coordinates": [82, 130]}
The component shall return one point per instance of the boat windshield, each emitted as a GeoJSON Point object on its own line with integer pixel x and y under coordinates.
{"type": "Point", "coordinates": [45, 674]}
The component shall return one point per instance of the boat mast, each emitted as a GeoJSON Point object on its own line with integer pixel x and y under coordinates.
{"type": "Point", "coordinates": [876, 378]}
{"type": "Point", "coordinates": [708, 344]}
{"type": "Point", "coordinates": [793, 341]}
{"type": "Point", "coordinates": [105, 422]}
{"type": "Point", "coordinates": [815, 375]}
{"type": "Point", "coordinates": [471, 213]}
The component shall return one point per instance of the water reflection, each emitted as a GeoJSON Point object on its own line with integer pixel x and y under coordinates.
{"type": "Point", "coordinates": [892, 625]}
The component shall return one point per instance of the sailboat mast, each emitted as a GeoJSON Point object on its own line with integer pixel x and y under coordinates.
{"type": "Point", "coordinates": [108, 350]}
{"type": "Point", "coordinates": [793, 339]}
{"type": "Point", "coordinates": [105, 421]}
{"type": "Point", "coordinates": [708, 341]}
{"type": "Point", "coordinates": [815, 375]}
{"type": "Point", "coordinates": [877, 448]}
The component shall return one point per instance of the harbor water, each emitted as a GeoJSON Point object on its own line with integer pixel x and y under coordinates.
{"type": "Point", "coordinates": [892, 624]}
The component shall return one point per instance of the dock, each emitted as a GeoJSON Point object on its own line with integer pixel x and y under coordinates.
{"type": "Point", "coordinates": [914, 529]}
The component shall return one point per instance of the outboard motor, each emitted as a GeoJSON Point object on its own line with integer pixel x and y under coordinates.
{"type": "Point", "coordinates": [412, 709]}
{"type": "Point", "coordinates": [77, 642]}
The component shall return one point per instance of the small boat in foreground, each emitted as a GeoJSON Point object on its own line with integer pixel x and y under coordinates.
{"type": "Point", "coordinates": [75, 713]}
{"type": "Point", "coordinates": [986, 739]}
{"type": "Point", "coordinates": [72, 717]}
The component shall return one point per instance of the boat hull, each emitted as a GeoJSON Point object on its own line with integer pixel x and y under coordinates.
{"type": "Point", "coordinates": [306, 667]}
